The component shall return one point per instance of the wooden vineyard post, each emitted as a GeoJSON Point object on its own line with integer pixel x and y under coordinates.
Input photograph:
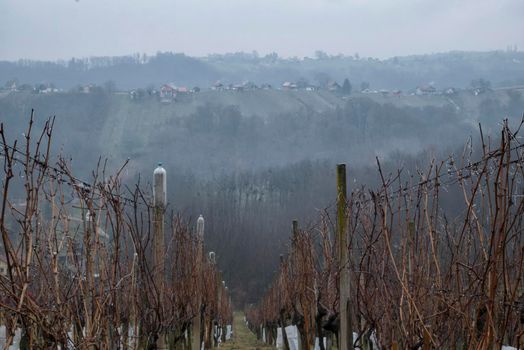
{"type": "Point", "coordinates": [160, 200]}
{"type": "Point", "coordinates": [223, 334]}
{"type": "Point", "coordinates": [285, 341]}
{"type": "Point", "coordinates": [217, 333]}
{"type": "Point", "coordinates": [427, 339]}
{"type": "Point", "coordinates": [208, 318]}
{"type": "Point", "coordinates": [346, 329]}
{"type": "Point", "coordinates": [302, 336]}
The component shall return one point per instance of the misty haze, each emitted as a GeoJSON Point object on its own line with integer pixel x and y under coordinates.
{"type": "Point", "coordinates": [248, 174]}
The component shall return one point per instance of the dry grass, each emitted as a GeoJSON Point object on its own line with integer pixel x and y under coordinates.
{"type": "Point", "coordinates": [243, 338]}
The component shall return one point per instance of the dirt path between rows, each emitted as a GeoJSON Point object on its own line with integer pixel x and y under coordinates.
{"type": "Point", "coordinates": [243, 338]}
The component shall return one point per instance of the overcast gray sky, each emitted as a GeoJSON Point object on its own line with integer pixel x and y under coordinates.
{"type": "Point", "coordinates": [51, 29]}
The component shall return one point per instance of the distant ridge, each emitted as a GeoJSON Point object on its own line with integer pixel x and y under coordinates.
{"type": "Point", "coordinates": [455, 68]}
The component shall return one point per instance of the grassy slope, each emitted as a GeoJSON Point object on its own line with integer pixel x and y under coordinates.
{"type": "Point", "coordinates": [143, 120]}
{"type": "Point", "coordinates": [118, 127]}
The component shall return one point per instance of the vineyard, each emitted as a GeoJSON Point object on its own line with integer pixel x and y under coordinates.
{"type": "Point", "coordinates": [395, 270]}
{"type": "Point", "coordinates": [101, 265]}
{"type": "Point", "coordinates": [90, 265]}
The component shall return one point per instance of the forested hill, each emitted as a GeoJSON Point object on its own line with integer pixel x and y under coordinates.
{"type": "Point", "coordinates": [444, 70]}
{"type": "Point", "coordinates": [216, 132]}
{"type": "Point", "coordinates": [252, 160]}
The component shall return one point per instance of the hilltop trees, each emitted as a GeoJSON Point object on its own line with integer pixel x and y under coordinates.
{"type": "Point", "coordinates": [346, 87]}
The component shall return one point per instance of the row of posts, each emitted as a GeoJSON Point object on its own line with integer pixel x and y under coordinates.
{"type": "Point", "coordinates": [345, 336]}
{"type": "Point", "coordinates": [160, 202]}
{"type": "Point", "coordinates": [345, 331]}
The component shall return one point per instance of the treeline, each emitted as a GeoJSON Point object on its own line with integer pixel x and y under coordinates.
{"type": "Point", "coordinates": [126, 72]}
{"type": "Point", "coordinates": [138, 71]}
{"type": "Point", "coordinates": [211, 137]}
{"type": "Point", "coordinates": [250, 175]}
{"type": "Point", "coordinates": [251, 213]}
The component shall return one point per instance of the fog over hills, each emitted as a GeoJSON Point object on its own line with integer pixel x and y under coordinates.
{"type": "Point", "coordinates": [215, 132]}
{"type": "Point", "coordinates": [348, 174]}
{"type": "Point", "coordinates": [246, 137]}
{"type": "Point", "coordinates": [241, 157]}
{"type": "Point", "coordinates": [452, 69]}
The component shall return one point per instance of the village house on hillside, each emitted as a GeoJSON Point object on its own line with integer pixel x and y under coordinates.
{"type": "Point", "coordinates": [334, 86]}
{"type": "Point", "coordinates": [11, 85]}
{"type": "Point", "coordinates": [137, 94]}
{"type": "Point", "coordinates": [249, 85]}
{"type": "Point", "coordinates": [425, 90]}
{"type": "Point", "coordinates": [450, 91]}
{"type": "Point", "coordinates": [311, 88]}
{"type": "Point", "coordinates": [46, 88]}
{"type": "Point", "coordinates": [237, 87]}
{"type": "Point", "coordinates": [245, 86]}
{"type": "Point", "coordinates": [289, 86]}
{"type": "Point", "coordinates": [182, 90]}
{"type": "Point", "coordinates": [169, 91]}
{"type": "Point", "coordinates": [217, 86]}
{"type": "Point", "coordinates": [43, 88]}
{"type": "Point", "coordinates": [86, 89]}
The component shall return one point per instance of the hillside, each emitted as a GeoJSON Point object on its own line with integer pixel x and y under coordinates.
{"type": "Point", "coordinates": [211, 131]}
{"type": "Point", "coordinates": [458, 69]}
{"type": "Point", "coordinates": [243, 157]}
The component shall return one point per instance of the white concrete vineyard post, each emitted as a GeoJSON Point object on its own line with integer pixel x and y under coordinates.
{"type": "Point", "coordinates": [197, 339]}
{"type": "Point", "coordinates": [159, 201]}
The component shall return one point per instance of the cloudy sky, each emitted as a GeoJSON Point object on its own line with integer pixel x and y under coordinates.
{"type": "Point", "coordinates": [51, 29]}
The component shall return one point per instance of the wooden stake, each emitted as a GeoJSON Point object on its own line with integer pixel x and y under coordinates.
{"type": "Point", "coordinates": [285, 341]}
{"type": "Point", "coordinates": [346, 329]}
{"type": "Point", "coordinates": [427, 339]}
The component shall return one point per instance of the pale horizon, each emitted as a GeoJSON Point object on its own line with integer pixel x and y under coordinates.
{"type": "Point", "coordinates": [37, 30]}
